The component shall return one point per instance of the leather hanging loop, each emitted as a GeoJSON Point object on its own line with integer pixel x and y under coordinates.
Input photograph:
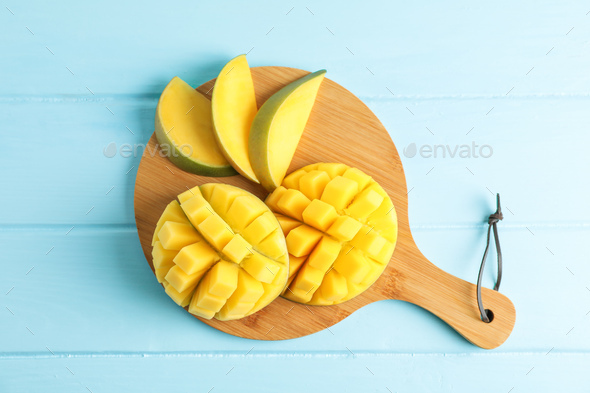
{"type": "Point", "coordinates": [487, 315]}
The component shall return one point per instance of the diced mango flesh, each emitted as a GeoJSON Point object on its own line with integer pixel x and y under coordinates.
{"type": "Point", "coordinates": [342, 240]}
{"type": "Point", "coordinates": [174, 213]}
{"type": "Point", "coordinates": [221, 252]}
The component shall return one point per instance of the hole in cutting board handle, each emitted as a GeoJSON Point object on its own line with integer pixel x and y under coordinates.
{"type": "Point", "coordinates": [490, 315]}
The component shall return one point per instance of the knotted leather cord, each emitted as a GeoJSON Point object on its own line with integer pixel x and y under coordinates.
{"type": "Point", "coordinates": [492, 221]}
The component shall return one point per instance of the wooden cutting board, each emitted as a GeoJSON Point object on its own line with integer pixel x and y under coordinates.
{"type": "Point", "coordinates": [340, 129]}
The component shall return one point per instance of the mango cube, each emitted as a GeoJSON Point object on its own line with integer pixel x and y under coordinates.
{"type": "Point", "coordinates": [292, 181]}
{"type": "Point", "coordinates": [333, 170]}
{"type": "Point", "coordinates": [181, 281]}
{"type": "Point", "coordinates": [204, 299]}
{"type": "Point", "coordinates": [353, 265]}
{"type": "Point", "coordinates": [273, 198]}
{"type": "Point", "coordinates": [308, 279]}
{"type": "Point", "coordinates": [237, 249]}
{"type": "Point", "coordinates": [312, 184]}
{"type": "Point", "coordinates": [201, 312]}
{"type": "Point", "coordinates": [174, 235]}
{"type": "Point", "coordinates": [223, 279]}
{"type": "Point", "coordinates": [319, 215]}
{"type": "Point", "coordinates": [295, 264]}
{"type": "Point", "coordinates": [197, 209]}
{"type": "Point", "coordinates": [260, 267]}
{"type": "Point", "coordinates": [334, 286]}
{"type": "Point", "coordinates": [222, 198]}
{"type": "Point", "coordinates": [344, 228]}
{"type": "Point", "coordinates": [161, 257]}
{"type": "Point", "coordinates": [324, 254]}
{"type": "Point", "coordinates": [243, 211]}
{"type": "Point", "coordinates": [339, 192]}
{"type": "Point", "coordinates": [188, 194]}
{"type": "Point", "coordinates": [287, 224]}
{"type": "Point", "coordinates": [260, 228]}
{"type": "Point", "coordinates": [358, 176]}
{"type": "Point", "coordinates": [273, 245]}
{"type": "Point", "coordinates": [180, 298]}
{"type": "Point", "coordinates": [293, 203]}
{"type": "Point", "coordinates": [384, 256]}
{"type": "Point", "coordinates": [196, 257]}
{"type": "Point", "coordinates": [173, 212]}
{"type": "Point", "coordinates": [368, 239]}
{"type": "Point", "coordinates": [364, 204]}
{"type": "Point", "coordinates": [249, 289]}
{"type": "Point", "coordinates": [215, 231]}
{"type": "Point", "coordinates": [301, 240]}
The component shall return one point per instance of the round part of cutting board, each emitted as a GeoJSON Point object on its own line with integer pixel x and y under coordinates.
{"type": "Point", "coordinates": [341, 128]}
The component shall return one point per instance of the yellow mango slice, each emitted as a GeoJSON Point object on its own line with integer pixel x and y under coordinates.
{"type": "Point", "coordinates": [278, 126]}
{"type": "Point", "coordinates": [233, 104]}
{"type": "Point", "coordinates": [184, 130]}
{"type": "Point", "coordinates": [232, 263]}
{"type": "Point", "coordinates": [344, 238]}
{"type": "Point", "coordinates": [173, 212]}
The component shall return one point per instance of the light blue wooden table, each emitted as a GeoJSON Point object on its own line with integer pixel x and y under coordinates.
{"type": "Point", "coordinates": [80, 309]}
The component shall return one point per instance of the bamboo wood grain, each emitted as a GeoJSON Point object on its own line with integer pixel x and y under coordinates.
{"type": "Point", "coordinates": [340, 129]}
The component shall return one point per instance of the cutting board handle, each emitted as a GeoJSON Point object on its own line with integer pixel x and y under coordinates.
{"type": "Point", "coordinates": [454, 301]}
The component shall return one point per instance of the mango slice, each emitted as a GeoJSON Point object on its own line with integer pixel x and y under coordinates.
{"type": "Point", "coordinates": [277, 129]}
{"type": "Point", "coordinates": [184, 129]}
{"type": "Point", "coordinates": [234, 107]}
{"type": "Point", "coordinates": [221, 252]}
{"type": "Point", "coordinates": [340, 228]}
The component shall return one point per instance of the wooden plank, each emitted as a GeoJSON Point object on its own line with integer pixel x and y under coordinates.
{"type": "Point", "coordinates": [268, 373]}
{"type": "Point", "coordinates": [479, 49]}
